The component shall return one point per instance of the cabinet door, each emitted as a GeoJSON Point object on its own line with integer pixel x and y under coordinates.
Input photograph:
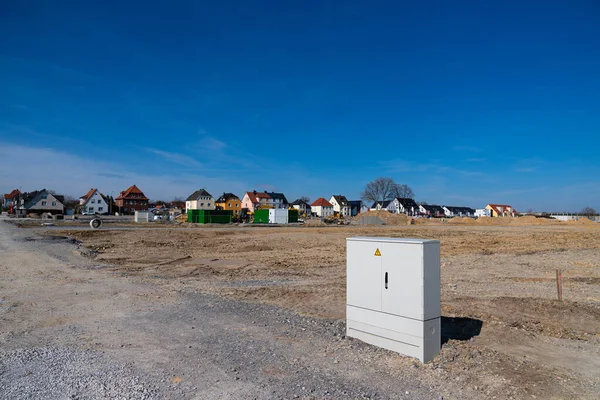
{"type": "Point", "coordinates": [403, 294]}
{"type": "Point", "coordinates": [363, 283]}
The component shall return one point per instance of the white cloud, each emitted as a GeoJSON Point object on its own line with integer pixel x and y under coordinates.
{"type": "Point", "coordinates": [176, 158]}
{"type": "Point", "coordinates": [34, 168]}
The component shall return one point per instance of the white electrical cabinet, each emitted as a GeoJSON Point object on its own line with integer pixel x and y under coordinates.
{"type": "Point", "coordinates": [393, 294]}
{"type": "Point", "coordinates": [278, 216]}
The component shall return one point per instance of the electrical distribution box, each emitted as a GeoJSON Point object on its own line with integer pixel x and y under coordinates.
{"type": "Point", "coordinates": [393, 294]}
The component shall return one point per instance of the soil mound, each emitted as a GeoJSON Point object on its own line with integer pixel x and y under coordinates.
{"type": "Point", "coordinates": [462, 221]}
{"type": "Point", "coordinates": [387, 217]}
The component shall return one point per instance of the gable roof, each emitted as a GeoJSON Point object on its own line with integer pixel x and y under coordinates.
{"type": "Point", "coordinates": [89, 194]}
{"type": "Point", "coordinates": [197, 194]}
{"type": "Point", "coordinates": [341, 200]}
{"type": "Point", "coordinates": [384, 204]}
{"type": "Point", "coordinates": [226, 196]}
{"type": "Point", "coordinates": [277, 196]}
{"type": "Point", "coordinates": [131, 190]}
{"type": "Point", "coordinates": [299, 202]}
{"type": "Point", "coordinates": [408, 202]}
{"type": "Point", "coordinates": [321, 202]}
{"type": "Point", "coordinates": [505, 207]}
{"type": "Point", "coordinates": [12, 195]}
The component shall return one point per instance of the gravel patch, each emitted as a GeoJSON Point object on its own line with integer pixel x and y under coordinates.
{"type": "Point", "coordinates": [61, 373]}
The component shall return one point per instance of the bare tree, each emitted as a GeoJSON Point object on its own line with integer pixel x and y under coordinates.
{"type": "Point", "coordinates": [70, 201]}
{"type": "Point", "coordinates": [589, 212]}
{"type": "Point", "coordinates": [403, 191]}
{"type": "Point", "coordinates": [379, 190]}
{"type": "Point", "coordinates": [305, 199]}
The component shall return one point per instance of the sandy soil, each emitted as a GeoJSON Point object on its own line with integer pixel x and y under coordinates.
{"type": "Point", "coordinates": [505, 333]}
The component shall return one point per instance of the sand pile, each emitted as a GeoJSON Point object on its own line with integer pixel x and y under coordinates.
{"type": "Point", "coordinates": [314, 222]}
{"type": "Point", "coordinates": [462, 221]}
{"type": "Point", "coordinates": [387, 217]}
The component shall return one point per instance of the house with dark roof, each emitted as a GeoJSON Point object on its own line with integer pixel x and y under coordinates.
{"type": "Point", "coordinates": [356, 207]}
{"type": "Point", "coordinates": [452, 211]}
{"type": "Point", "coordinates": [11, 199]}
{"type": "Point", "coordinates": [302, 207]}
{"type": "Point", "coordinates": [501, 210]}
{"type": "Point", "coordinates": [200, 200]}
{"type": "Point", "coordinates": [322, 207]}
{"type": "Point", "coordinates": [229, 201]}
{"type": "Point", "coordinates": [41, 201]}
{"type": "Point", "coordinates": [408, 206]}
{"type": "Point", "coordinates": [278, 200]}
{"type": "Point", "coordinates": [131, 200]}
{"type": "Point", "coordinates": [432, 210]}
{"type": "Point", "coordinates": [340, 205]}
{"type": "Point", "coordinates": [94, 202]}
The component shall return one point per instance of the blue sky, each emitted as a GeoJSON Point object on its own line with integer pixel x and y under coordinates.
{"type": "Point", "coordinates": [468, 103]}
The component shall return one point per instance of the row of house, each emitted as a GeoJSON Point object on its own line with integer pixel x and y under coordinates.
{"type": "Point", "coordinates": [133, 199]}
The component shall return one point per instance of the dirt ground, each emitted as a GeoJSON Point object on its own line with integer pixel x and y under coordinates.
{"type": "Point", "coordinates": [505, 334]}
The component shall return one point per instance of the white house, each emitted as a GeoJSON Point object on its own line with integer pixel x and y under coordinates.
{"type": "Point", "coordinates": [340, 204]}
{"type": "Point", "coordinates": [200, 200]}
{"type": "Point", "coordinates": [322, 207]}
{"type": "Point", "coordinates": [452, 211]}
{"type": "Point", "coordinates": [302, 207]}
{"type": "Point", "coordinates": [483, 212]}
{"type": "Point", "coordinates": [94, 202]}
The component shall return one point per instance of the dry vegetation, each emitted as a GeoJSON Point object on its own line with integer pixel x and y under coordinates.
{"type": "Point", "coordinates": [530, 345]}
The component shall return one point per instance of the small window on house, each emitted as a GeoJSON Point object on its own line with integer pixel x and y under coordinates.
{"type": "Point", "coordinates": [208, 204]}
{"type": "Point", "coordinates": [43, 203]}
{"type": "Point", "coordinates": [44, 196]}
{"type": "Point", "coordinates": [54, 203]}
{"type": "Point", "coordinates": [201, 204]}
{"type": "Point", "coordinates": [91, 209]}
{"type": "Point", "coordinates": [100, 208]}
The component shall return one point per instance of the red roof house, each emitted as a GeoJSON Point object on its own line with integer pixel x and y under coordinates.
{"type": "Point", "coordinates": [132, 199]}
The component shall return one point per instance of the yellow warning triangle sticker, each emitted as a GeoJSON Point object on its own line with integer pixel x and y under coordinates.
{"type": "Point", "coordinates": [377, 253]}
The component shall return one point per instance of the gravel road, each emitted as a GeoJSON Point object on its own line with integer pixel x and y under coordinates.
{"type": "Point", "coordinates": [73, 329]}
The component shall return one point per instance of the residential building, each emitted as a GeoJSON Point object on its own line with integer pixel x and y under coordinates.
{"type": "Point", "coordinates": [94, 202]}
{"type": "Point", "coordinates": [254, 200]}
{"type": "Point", "coordinates": [340, 205]}
{"type": "Point", "coordinates": [501, 210]}
{"type": "Point", "coordinates": [260, 200]}
{"type": "Point", "coordinates": [11, 199]}
{"type": "Point", "coordinates": [483, 212]}
{"type": "Point", "coordinates": [380, 205]}
{"type": "Point", "coordinates": [302, 207]}
{"type": "Point", "coordinates": [356, 207]}
{"type": "Point", "coordinates": [278, 200]}
{"type": "Point", "coordinates": [322, 208]}
{"type": "Point", "coordinates": [131, 200]}
{"type": "Point", "coordinates": [41, 201]}
{"type": "Point", "coordinates": [408, 206]}
{"type": "Point", "coordinates": [229, 201]}
{"type": "Point", "coordinates": [432, 210]}
{"type": "Point", "coordinates": [200, 200]}
{"type": "Point", "coordinates": [452, 211]}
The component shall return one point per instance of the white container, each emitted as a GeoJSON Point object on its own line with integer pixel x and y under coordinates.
{"type": "Point", "coordinates": [142, 216]}
{"type": "Point", "coordinates": [278, 216]}
{"type": "Point", "coordinates": [393, 294]}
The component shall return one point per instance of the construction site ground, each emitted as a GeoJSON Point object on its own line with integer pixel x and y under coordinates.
{"type": "Point", "coordinates": [504, 333]}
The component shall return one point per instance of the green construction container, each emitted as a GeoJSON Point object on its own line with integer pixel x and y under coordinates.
{"type": "Point", "coordinates": [210, 216]}
{"type": "Point", "coordinates": [261, 216]}
{"type": "Point", "coordinates": [292, 216]}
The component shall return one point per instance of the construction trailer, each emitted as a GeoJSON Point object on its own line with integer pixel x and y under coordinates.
{"type": "Point", "coordinates": [210, 216]}
{"type": "Point", "coordinates": [275, 216]}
